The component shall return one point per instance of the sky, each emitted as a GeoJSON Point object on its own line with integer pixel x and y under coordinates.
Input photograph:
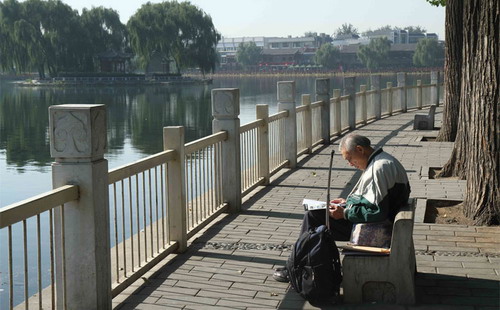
{"type": "Point", "coordinates": [281, 18]}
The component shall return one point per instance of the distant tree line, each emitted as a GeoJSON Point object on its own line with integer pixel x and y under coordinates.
{"type": "Point", "coordinates": [49, 36]}
{"type": "Point", "coordinates": [375, 55]}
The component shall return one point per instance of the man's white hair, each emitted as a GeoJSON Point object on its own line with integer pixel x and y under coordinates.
{"type": "Point", "coordinates": [352, 140]}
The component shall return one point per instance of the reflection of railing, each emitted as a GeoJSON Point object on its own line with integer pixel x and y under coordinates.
{"type": "Point", "coordinates": [116, 225]}
{"type": "Point", "coordinates": [34, 210]}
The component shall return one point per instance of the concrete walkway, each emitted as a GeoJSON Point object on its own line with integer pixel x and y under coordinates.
{"type": "Point", "coordinates": [230, 264]}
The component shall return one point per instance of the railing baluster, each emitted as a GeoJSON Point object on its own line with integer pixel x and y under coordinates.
{"type": "Point", "coordinates": [52, 260]}
{"type": "Point", "coordinates": [163, 204]}
{"type": "Point", "coordinates": [157, 218]}
{"type": "Point", "coordinates": [115, 221]}
{"type": "Point", "coordinates": [150, 214]}
{"type": "Point", "coordinates": [11, 274]}
{"type": "Point", "coordinates": [124, 242]}
{"type": "Point", "coordinates": [137, 199]}
{"type": "Point", "coordinates": [131, 226]}
{"type": "Point", "coordinates": [144, 217]}
{"type": "Point", "coordinates": [39, 259]}
{"type": "Point", "coordinates": [25, 248]}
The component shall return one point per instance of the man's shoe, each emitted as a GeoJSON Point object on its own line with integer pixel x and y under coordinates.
{"type": "Point", "coordinates": [281, 275]}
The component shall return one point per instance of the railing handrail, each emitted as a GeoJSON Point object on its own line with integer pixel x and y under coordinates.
{"type": "Point", "coordinates": [35, 205]}
{"type": "Point", "coordinates": [316, 104]}
{"type": "Point", "coordinates": [278, 115]}
{"type": "Point", "coordinates": [139, 166]}
{"type": "Point", "coordinates": [252, 125]}
{"type": "Point", "coordinates": [204, 142]}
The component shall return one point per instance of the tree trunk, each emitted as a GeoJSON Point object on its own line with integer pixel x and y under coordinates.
{"type": "Point", "coordinates": [454, 82]}
{"type": "Point", "coordinates": [452, 70]}
{"type": "Point", "coordinates": [478, 137]}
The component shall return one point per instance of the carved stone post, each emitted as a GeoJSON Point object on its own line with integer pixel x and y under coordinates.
{"type": "Point", "coordinates": [226, 111]}
{"type": "Point", "coordinates": [362, 90]}
{"type": "Point", "coordinates": [350, 90]}
{"type": "Point", "coordinates": [286, 102]}
{"type": "Point", "coordinates": [173, 139]}
{"type": "Point", "coordinates": [262, 112]}
{"type": "Point", "coordinates": [78, 142]}
{"type": "Point", "coordinates": [419, 94]}
{"type": "Point", "coordinates": [435, 88]}
{"type": "Point", "coordinates": [401, 76]}
{"type": "Point", "coordinates": [306, 101]}
{"type": "Point", "coordinates": [377, 97]}
{"type": "Point", "coordinates": [338, 111]}
{"type": "Point", "coordinates": [389, 98]}
{"type": "Point", "coordinates": [323, 94]}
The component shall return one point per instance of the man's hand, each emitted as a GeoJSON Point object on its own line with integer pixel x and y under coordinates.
{"type": "Point", "coordinates": [336, 212]}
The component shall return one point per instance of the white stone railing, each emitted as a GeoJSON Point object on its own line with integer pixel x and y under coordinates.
{"type": "Point", "coordinates": [150, 208]}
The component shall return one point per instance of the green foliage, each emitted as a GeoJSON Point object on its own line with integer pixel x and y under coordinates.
{"type": "Point", "coordinates": [429, 53]}
{"type": "Point", "coordinates": [178, 31]}
{"type": "Point", "coordinates": [437, 2]}
{"type": "Point", "coordinates": [346, 29]}
{"type": "Point", "coordinates": [328, 56]}
{"type": "Point", "coordinates": [375, 54]}
{"type": "Point", "coordinates": [410, 29]}
{"type": "Point", "coordinates": [50, 35]}
{"type": "Point", "coordinates": [248, 54]}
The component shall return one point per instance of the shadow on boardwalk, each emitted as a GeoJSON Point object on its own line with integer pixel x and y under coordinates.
{"type": "Point", "coordinates": [229, 265]}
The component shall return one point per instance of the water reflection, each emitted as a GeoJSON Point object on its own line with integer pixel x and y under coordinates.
{"type": "Point", "coordinates": [137, 113]}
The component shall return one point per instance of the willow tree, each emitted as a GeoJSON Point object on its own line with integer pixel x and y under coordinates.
{"type": "Point", "coordinates": [328, 56]}
{"type": "Point", "coordinates": [375, 54]}
{"type": "Point", "coordinates": [103, 32]}
{"type": "Point", "coordinates": [476, 153]}
{"type": "Point", "coordinates": [40, 35]}
{"type": "Point", "coordinates": [174, 31]}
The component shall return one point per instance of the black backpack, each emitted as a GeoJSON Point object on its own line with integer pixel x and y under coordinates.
{"type": "Point", "coordinates": [314, 266]}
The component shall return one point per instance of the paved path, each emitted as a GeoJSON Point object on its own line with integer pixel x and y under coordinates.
{"type": "Point", "coordinates": [229, 265]}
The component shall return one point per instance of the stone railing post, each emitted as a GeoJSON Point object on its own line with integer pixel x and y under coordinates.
{"type": "Point", "coordinates": [435, 88]}
{"type": "Point", "coordinates": [389, 98]}
{"type": "Point", "coordinates": [286, 102]}
{"type": "Point", "coordinates": [401, 76]}
{"type": "Point", "coordinates": [78, 143]}
{"type": "Point", "coordinates": [262, 112]}
{"type": "Point", "coordinates": [323, 94]}
{"type": "Point", "coordinates": [362, 89]}
{"type": "Point", "coordinates": [350, 90]}
{"type": "Point", "coordinates": [419, 94]}
{"type": "Point", "coordinates": [226, 111]}
{"type": "Point", "coordinates": [377, 97]}
{"type": "Point", "coordinates": [337, 111]}
{"type": "Point", "coordinates": [173, 139]}
{"type": "Point", "coordinates": [306, 101]}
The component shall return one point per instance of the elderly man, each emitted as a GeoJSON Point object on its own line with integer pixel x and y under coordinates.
{"type": "Point", "coordinates": [376, 198]}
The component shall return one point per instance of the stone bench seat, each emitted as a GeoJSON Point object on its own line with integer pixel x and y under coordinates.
{"type": "Point", "coordinates": [425, 121]}
{"type": "Point", "coordinates": [388, 278]}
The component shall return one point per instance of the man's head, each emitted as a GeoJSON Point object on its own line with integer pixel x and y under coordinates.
{"type": "Point", "coordinates": [356, 150]}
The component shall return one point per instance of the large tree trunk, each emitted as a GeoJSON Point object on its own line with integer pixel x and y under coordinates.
{"type": "Point", "coordinates": [452, 70]}
{"type": "Point", "coordinates": [455, 84]}
{"type": "Point", "coordinates": [478, 137]}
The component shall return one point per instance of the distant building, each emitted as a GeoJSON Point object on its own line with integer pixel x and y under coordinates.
{"type": "Point", "coordinates": [400, 36]}
{"type": "Point", "coordinates": [113, 61]}
{"type": "Point", "coordinates": [275, 51]}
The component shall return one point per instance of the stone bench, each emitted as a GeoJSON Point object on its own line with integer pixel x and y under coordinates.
{"type": "Point", "coordinates": [425, 121]}
{"type": "Point", "coordinates": [388, 278]}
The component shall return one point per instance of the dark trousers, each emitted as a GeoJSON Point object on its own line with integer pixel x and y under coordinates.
{"type": "Point", "coordinates": [341, 229]}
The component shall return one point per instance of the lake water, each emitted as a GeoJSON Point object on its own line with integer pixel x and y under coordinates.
{"type": "Point", "coordinates": [136, 116]}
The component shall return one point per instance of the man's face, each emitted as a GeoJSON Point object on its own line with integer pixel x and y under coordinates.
{"type": "Point", "coordinates": [357, 158]}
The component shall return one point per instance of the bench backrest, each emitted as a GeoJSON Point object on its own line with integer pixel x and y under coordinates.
{"type": "Point", "coordinates": [402, 233]}
{"type": "Point", "coordinates": [432, 111]}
